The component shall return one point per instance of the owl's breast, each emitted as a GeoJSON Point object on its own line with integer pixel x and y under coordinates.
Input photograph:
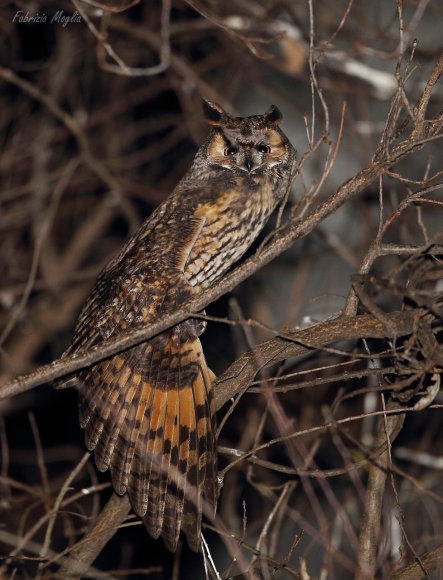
{"type": "Point", "coordinates": [229, 226]}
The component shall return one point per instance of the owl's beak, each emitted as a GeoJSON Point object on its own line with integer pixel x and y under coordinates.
{"type": "Point", "coordinates": [248, 161]}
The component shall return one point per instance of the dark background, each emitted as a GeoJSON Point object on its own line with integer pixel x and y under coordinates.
{"type": "Point", "coordinates": [87, 153]}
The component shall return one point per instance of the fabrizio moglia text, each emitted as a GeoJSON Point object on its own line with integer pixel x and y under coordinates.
{"type": "Point", "coordinates": [58, 18]}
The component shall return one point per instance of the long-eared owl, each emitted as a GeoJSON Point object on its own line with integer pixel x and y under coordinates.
{"type": "Point", "coordinates": [148, 412]}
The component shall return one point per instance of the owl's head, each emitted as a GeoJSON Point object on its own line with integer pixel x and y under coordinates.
{"type": "Point", "coordinates": [246, 143]}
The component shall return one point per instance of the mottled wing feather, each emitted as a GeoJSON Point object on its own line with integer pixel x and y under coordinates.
{"type": "Point", "coordinates": [148, 412]}
{"type": "Point", "coordinates": [203, 470]}
{"type": "Point", "coordinates": [149, 415]}
{"type": "Point", "coordinates": [116, 412]}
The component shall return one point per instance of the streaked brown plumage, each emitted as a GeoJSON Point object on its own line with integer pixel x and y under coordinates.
{"type": "Point", "coordinates": [148, 412]}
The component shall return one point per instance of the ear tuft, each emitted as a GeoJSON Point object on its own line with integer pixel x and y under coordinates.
{"type": "Point", "coordinates": [214, 114]}
{"type": "Point", "coordinates": [273, 115]}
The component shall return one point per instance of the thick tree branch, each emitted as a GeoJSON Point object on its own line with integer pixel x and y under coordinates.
{"type": "Point", "coordinates": [431, 561]}
{"type": "Point", "coordinates": [106, 525]}
{"type": "Point", "coordinates": [243, 370]}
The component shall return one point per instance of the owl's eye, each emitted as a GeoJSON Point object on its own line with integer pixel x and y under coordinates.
{"type": "Point", "coordinates": [230, 151]}
{"type": "Point", "coordinates": [262, 148]}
